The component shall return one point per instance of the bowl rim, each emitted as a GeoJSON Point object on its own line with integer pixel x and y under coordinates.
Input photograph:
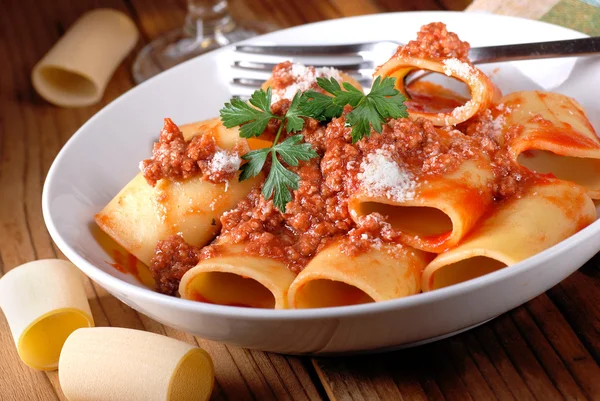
{"type": "Point", "coordinates": [111, 282]}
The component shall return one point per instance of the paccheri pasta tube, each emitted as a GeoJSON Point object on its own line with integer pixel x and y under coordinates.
{"type": "Point", "coordinates": [141, 214]}
{"type": "Point", "coordinates": [550, 133]}
{"type": "Point", "coordinates": [440, 51]}
{"type": "Point", "coordinates": [77, 69]}
{"type": "Point", "coordinates": [547, 213]}
{"type": "Point", "coordinates": [430, 212]}
{"type": "Point", "coordinates": [333, 278]}
{"type": "Point", "coordinates": [117, 364]}
{"type": "Point", "coordinates": [44, 302]}
{"type": "Point", "coordinates": [237, 279]}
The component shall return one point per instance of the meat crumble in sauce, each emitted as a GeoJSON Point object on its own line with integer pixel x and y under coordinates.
{"type": "Point", "coordinates": [510, 178]}
{"type": "Point", "coordinates": [173, 257]}
{"type": "Point", "coordinates": [318, 214]}
{"type": "Point", "coordinates": [288, 78]}
{"type": "Point", "coordinates": [176, 159]}
{"type": "Point", "coordinates": [435, 42]}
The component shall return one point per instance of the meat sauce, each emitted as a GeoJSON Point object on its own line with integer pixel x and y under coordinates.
{"type": "Point", "coordinates": [174, 158]}
{"type": "Point", "coordinates": [318, 215]}
{"type": "Point", "coordinates": [435, 42]}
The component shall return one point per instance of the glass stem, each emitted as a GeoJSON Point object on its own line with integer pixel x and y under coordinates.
{"type": "Point", "coordinates": [205, 18]}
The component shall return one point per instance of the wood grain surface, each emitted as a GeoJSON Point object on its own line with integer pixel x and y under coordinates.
{"type": "Point", "coordinates": [548, 349]}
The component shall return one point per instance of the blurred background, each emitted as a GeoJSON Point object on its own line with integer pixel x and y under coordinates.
{"type": "Point", "coordinates": [37, 25]}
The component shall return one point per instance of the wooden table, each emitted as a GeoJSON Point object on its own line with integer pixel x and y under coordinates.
{"type": "Point", "coordinates": [548, 349]}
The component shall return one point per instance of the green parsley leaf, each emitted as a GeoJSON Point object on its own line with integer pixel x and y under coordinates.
{"type": "Point", "coordinates": [292, 151]}
{"type": "Point", "coordinates": [252, 121]}
{"type": "Point", "coordinates": [256, 127]}
{"type": "Point", "coordinates": [280, 183]}
{"type": "Point", "coordinates": [329, 85]}
{"type": "Point", "coordinates": [262, 100]}
{"type": "Point", "coordinates": [388, 101]}
{"type": "Point", "coordinates": [351, 96]}
{"type": "Point", "coordinates": [294, 121]}
{"type": "Point", "coordinates": [362, 118]}
{"type": "Point", "coordinates": [371, 110]}
{"type": "Point", "coordinates": [256, 161]}
{"type": "Point", "coordinates": [319, 106]}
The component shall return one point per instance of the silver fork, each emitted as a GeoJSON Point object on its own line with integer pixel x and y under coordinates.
{"type": "Point", "coordinates": [253, 63]}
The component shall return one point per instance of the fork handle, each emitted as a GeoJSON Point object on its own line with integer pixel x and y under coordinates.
{"type": "Point", "coordinates": [532, 51]}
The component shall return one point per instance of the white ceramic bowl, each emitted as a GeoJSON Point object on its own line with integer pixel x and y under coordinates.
{"type": "Point", "coordinates": [104, 154]}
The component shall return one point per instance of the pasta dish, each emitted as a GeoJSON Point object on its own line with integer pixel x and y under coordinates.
{"type": "Point", "coordinates": [314, 194]}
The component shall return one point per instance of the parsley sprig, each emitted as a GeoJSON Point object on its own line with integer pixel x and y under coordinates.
{"type": "Point", "coordinates": [253, 121]}
{"type": "Point", "coordinates": [369, 111]}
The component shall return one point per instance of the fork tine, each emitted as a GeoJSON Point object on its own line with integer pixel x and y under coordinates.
{"type": "Point", "coordinates": [254, 83]}
{"type": "Point", "coordinates": [304, 50]}
{"type": "Point", "coordinates": [268, 67]}
{"type": "Point", "coordinates": [248, 82]}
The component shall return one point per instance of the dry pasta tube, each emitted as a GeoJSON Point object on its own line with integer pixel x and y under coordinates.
{"type": "Point", "coordinates": [140, 215]}
{"type": "Point", "coordinates": [77, 69]}
{"type": "Point", "coordinates": [236, 279]}
{"type": "Point", "coordinates": [333, 278]}
{"type": "Point", "coordinates": [44, 302]}
{"type": "Point", "coordinates": [551, 134]}
{"type": "Point", "coordinates": [544, 215]}
{"type": "Point", "coordinates": [116, 364]}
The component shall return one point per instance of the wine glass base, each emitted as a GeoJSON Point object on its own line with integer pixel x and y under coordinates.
{"type": "Point", "coordinates": [178, 46]}
{"type": "Point", "coordinates": [169, 50]}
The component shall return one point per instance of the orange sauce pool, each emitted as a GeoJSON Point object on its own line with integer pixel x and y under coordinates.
{"type": "Point", "coordinates": [122, 260]}
{"type": "Point", "coordinates": [428, 97]}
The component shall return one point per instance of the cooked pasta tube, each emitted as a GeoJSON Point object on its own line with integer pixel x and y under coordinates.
{"type": "Point", "coordinates": [332, 278]}
{"type": "Point", "coordinates": [437, 212]}
{"type": "Point", "coordinates": [77, 69]}
{"type": "Point", "coordinates": [141, 215]}
{"type": "Point", "coordinates": [483, 92]}
{"type": "Point", "coordinates": [44, 302]}
{"type": "Point", "coordinates": [116, 364]}
{"type": "Point", "coordinates": [551, 134]}
{"type": "Point", "coordinates": [236, 279]}
{"type": "Point", "coordinates": [547, 213]}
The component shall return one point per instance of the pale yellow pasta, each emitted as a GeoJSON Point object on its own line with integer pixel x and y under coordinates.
{"type": "Point", "coordinates": [44, 302]}
{"type": "Point", "coordinates": [117, 364]}
{"type": "Point", "coordinates": [439, 211]}
{"type": "Point", "coordinates": [77, 69]}
{"type": "Point", "coordinates": [483, 92]}
{"type": "Point", "coordinates": [333, 278]}
{"type": "Point", "coordinates": [547, 213]}
{"type": "Point", "coordinates": [238, 279]}
{"type": "Point", "coordinates": [141, 215]}
{"type": "Point", "coordinates": [551, 134]}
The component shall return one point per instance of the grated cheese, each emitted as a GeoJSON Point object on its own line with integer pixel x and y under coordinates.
{"type": "Point", "coordinates": [304, 79]}
{"type": "Point", "coordinates": [224, 161]}
{"type": "Point", "coordinates": [382, 176]}
{"type": "Point", "coordinates": [497, 125]}
{"type": "Point", "coordinates": [454, 66]}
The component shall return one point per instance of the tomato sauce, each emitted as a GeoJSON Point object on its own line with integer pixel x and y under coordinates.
{"type": "Point", "coordinates": [428, 97]}
{"type": "Point", "coordinates": [318, 214]}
